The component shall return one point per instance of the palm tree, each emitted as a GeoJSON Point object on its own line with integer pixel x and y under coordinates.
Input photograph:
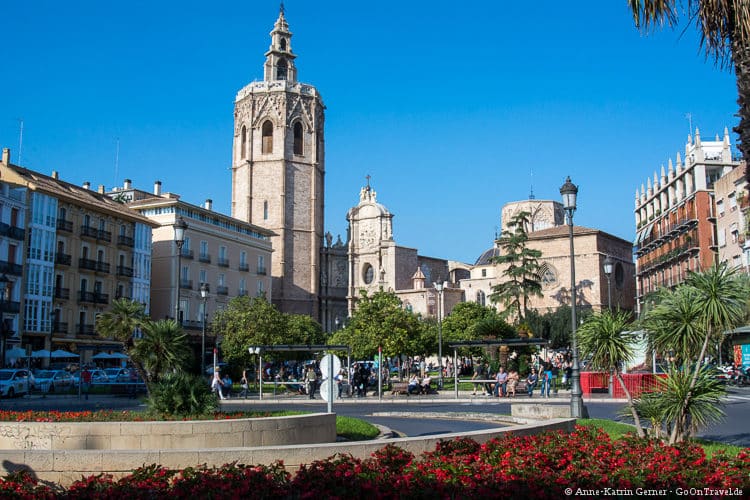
{"type": "Point", "coordinates": [689, 319]}
{"type": "Point", "coordinates": [162, 349]}
{"type": "Point", "coordinates": [120, 323]}
{"type": "Point", "coordinates": [724, 27]}
{"type": "Point", "coordinates": [606, 338]}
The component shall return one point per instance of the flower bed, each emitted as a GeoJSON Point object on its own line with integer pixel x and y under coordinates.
{"type": "Point", "coordinates": [547, 465]}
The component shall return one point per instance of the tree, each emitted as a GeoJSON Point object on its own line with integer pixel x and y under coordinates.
{"type": "Point", "coordinates": [724, 27]}
{"type": "Point", "coordinates": [245, 322]}
{"type": "Point", "coordinates": [686, 321]}
{"type": "Point", "coordinates": [120, 323]}
{"type": "Point", "coordinates": [302, 329]}
{"type": "Point", "coordinates": [162, 349]}
{"type": "Point", "coordinates": [606, 338]}
{"type": "Point", "coordinates": [460, 324]}
{"type": "Point", "coordinates": [522, 269]}
{"type": "Point", "coordinates": [380, 320]}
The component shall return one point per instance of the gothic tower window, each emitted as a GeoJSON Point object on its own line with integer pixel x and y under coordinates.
{"type": "Point", "coordinates": [298, 138]}
{"type": "Point", "coordinates": [281, 70]}
{"type": "Point", "coordinates": [267, 134]}
{"type": "Point", "coordinates": [282, 44]}
{"type": "Point", "coordinates": [265, 210]}
{"type": "Point", "coordinates": [243, 143]}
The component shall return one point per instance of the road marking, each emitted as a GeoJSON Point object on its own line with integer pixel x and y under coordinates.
{"type": "Point", "coordinates": [738, 398]}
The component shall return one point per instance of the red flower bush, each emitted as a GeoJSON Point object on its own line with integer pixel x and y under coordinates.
{"type": "Point", "coordinates": [548, 465]}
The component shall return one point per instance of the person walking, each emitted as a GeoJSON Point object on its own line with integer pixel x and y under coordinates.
{"type": "Point", "coordinates": [244, 384]}
{"type": "Point", "coordinates": [217, 385]}
{"type": "Point", "coordinates": [311, 377]}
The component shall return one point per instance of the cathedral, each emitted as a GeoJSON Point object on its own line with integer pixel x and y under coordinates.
{"type": "Point", "coordinates": [278, 172]}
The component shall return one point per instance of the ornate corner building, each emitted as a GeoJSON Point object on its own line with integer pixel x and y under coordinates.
{"type": "Point", "coordinates": [676, 215]}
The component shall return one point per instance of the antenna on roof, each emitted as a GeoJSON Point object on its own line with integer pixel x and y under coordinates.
{"type": "Point", "coordinates": [531, 195]}
{"type": "Point", "coordinates": [20, 141]}
{"type": "Point", "coordinates": [117, 159]}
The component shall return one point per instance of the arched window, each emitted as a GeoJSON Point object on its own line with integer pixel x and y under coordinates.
{"type": "Point", "coordinates": [267, 134]}
{"type": "Point", "coordinates": [298, 141]}
{"type": "Point", "coordinates": [481, 298]}
{"type": "Point", "coordinates": [243, 143]}
{"type": "Point", "coordinates": [281, 70]}
{"type": "Point", "coordinates": [282, 44]}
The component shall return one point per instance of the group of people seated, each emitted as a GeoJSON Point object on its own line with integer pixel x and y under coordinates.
{"type": "Point", "coordinates": [417, 386]}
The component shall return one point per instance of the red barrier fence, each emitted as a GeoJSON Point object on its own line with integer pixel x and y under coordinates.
{"type": "Point", "coordinates": [636, 383]}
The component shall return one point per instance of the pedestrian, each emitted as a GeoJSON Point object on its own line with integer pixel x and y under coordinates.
{"type": "Point", "coordinates": [244, 384]}
{"type": "Point", "coordinates": [531, 381]}
{"type": "Point", "coordinates": [479, 374]}
{"type": "Point", "coordinates": [217, 384]}
{"type": "Point", "coordinates": [86, 382]}
{"type": "Point", "coordinates": [311, 378]}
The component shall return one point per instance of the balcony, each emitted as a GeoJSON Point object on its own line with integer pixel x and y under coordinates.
{"type": "Point", "coordinates": [102, 267]}
{"type": "Point", "coordinates": [87, 297]}
{"type": "Point", "coordinates": [64, 225]}
{"type": "Point", "coordinates": [10, 307]}
{"type": "Point", "coordinates": [244, 267]}
{"type": "Point", "coordinates": [186, 284]}
{"type": "Point", "coordinates": [190, 324]}
{"type": "Point", "coordinates": [223, 262]}
{"type": "Point", "coordinates": [101, 298]}
{"type": "Point", "coordinates": [85, 329]}
{"type": "Point", "coordinates": [222, 290]}
{"type": "Point", "coordinates": [125, 271]}
{"type": "Point", "coordinates": [58, 327]}
{"type": "Point", "coordinates": [97, 234]}
{"type": "Point", "coordinates": [262, 270]}
{"type": "Point", "coordinates": [62, 293]}
{"type": "Point", "coordinates": [93, 265]}
{"type": "Point", "coordinates": [11, 268]}
{"type": "Point", "coordinates": [204, 257]}
{"type": "Point", "coordinates": [88, 232]}
{"type": "Point", "coordinates": [186, 253]}
{"type": "Point", "coordinates": [125, 241]}
{"type": "Point", "coordinates": [241, 293]}
{"type": "Point", "coordinates": [63, 259]}
{"type": "Point", "coordinates": [15, 233]}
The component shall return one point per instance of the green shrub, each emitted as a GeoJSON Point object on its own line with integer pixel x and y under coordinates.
{"type": "Point", "coordinates": [182, 394]}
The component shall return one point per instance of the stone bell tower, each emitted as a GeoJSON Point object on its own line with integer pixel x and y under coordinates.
{"type": "Point", "coordinates": [278, 165]}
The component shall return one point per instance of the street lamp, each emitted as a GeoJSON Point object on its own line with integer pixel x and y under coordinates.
{"type": "Point", "coordinates": [337, 323]}
{"type": "Point", "coordinates": [608, 265]}
{"type": "Point", "coordinates": [179, 239]}
{"type": "Point", "coordinates": [439, 287]}
{"type": "Point", "coordinates": [204, 295]}
{"type": "Point", "coordinates": [569, 192]}
{"type": "Point", "coordinates": [4, 281]}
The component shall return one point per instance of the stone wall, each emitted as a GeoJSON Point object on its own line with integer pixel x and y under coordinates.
{"type": "Point", "coordinates": [246, 432]}
{"type": "Point", "coordinates": [65, 466]}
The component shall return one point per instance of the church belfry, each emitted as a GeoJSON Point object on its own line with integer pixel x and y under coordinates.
{"type": "Point", "coordinates": [279, 58]}
{"type": "Point", "coordinates": [278, 166]}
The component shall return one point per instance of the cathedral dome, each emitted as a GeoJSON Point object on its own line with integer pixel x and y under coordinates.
{"type": "Point", "coordinates": [486, 257]}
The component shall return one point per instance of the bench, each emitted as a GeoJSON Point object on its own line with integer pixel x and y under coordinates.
{"type": "Point", "coordinates": [400, 388]}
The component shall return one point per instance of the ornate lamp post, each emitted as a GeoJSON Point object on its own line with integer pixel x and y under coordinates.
{"type": "Point", "coordinates": [440, 287]}
{"type": "Point", "coordinates": [4, 282]}
{"type": "Point", "coordinates": [253, 350]}
{"type": "Point", "coordinates": [608, 265]}
{"type": "Point", "coordinates": [179, 239]}
{"type": "Point", "coordinates": [204, 295]}
{"type": "Point", "coordinates": [569, 192]}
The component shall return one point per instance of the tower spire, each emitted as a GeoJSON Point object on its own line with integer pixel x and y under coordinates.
{"type": "Point", "coordinates": [279, 57]}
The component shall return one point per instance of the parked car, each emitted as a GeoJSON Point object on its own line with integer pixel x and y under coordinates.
{"type": "Point", "coordinates": [15, 382]}
{"type": "Point", "coordinates": [53, 380]}
{"type": "Point", "coordinates": [117, 374]}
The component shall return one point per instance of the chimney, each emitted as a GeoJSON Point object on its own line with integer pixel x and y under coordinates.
{"type": "Point", "coordinates": [87, 185]}
{"type": "Point", "coordinates": [127, 184]}
{"type": "Point", "coordinates": [6, 156]}
{"type": "Point", "coordinates": [100, 189]}
{"type": "Point", "coordinates": [209, 204]}
{"type": "Point", "coordinates": [54, 174]}
{"type": "Point", "coordinates": [157, 188]}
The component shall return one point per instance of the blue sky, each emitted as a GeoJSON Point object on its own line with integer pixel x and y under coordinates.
{"type": "Point", "coordinates": [448, 106]}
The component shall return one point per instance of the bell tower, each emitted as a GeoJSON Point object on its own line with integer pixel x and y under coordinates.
{"type": "Point", "coordinates": [278, 166]}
